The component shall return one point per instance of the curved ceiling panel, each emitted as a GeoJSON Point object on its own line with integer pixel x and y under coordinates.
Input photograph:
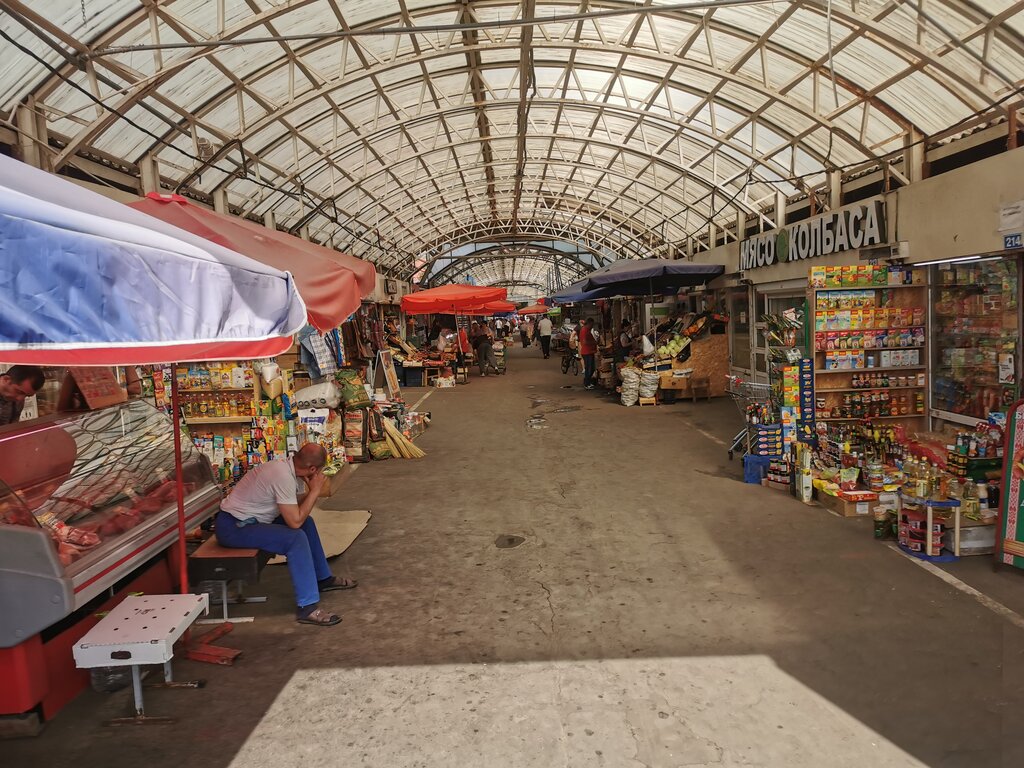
{"type": "Point", "coordinates": [401, 130]}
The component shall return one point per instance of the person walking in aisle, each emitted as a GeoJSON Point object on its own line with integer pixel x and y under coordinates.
{"type": "Point", "coordinates": [544, 329]}
{"type": "Point", "coordinates": [265, 511]}
{"type": "Point", "coordinates": [484, 349]}
{"type": "Point", "coordinates": [524, 333]}
{"type": "Point", "coordinates": [588, 351]}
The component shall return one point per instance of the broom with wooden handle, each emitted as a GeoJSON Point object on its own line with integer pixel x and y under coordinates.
{"type": "Point", "coordinates": [406, 448]}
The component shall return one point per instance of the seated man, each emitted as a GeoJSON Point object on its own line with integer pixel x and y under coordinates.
{"type": "Point", "coordinates": [265, 512]}
{"type": "Point", "coordinates": [20, 382]}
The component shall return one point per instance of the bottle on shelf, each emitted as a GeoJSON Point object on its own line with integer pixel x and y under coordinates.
{"type": "Point", "coordinates": [969, 504]}
{"type": "Point", "coordinates": [983, 497]}
{"type": "Point", "coordinates": [956, 488]}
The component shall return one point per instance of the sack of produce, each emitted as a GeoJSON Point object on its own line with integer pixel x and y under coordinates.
{"type": "Point", "coordinates": [630, 386]}
{"type": "Point", "coordinates": [379, 450]}
{"type": "Point", "coordinates": [355, 432]}
{"type": "Point", "coordinates": [649, 381]}
{"type": "Point", "coordinates": [353, 390]}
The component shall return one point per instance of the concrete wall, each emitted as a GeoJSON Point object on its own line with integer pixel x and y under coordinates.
{"type": "Point", "coordinates": [955, 214]}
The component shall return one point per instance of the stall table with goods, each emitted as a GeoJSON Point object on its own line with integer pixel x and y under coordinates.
{"type": "Point", "coordinates": [690, 358]}
{"type": "Point", "coordinates": [847, 427]}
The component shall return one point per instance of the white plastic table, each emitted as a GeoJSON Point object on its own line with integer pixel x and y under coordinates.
{"type": "Point", "coordinates": [140, 630]}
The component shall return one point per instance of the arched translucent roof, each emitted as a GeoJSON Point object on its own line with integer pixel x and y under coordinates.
{"type": "Point", "coordinates": [395, 130]}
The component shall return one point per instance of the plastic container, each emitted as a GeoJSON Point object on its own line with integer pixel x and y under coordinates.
{"type": "Point", "coordinates": [755, 468]}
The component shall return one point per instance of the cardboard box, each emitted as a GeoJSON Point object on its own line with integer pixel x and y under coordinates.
{"type": "Point", "coordinates": [668, 381]}
{"type": "Point", "coordinates": [844, 508]}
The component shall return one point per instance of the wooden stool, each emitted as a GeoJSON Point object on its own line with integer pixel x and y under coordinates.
{"type": "Point", "coordinates": [220, 565]}
{"type": "Point", "coordinates": [647, 401]}
{"type": "Point", "coordinates": [700, 386]}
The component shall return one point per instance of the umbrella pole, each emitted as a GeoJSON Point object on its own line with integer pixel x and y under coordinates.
{"type": "Point", "coordinates": [650, 320]}
{"type": "Point", "coordinates": [179, 478]}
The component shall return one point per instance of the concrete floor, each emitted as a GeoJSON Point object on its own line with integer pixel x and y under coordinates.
{"type": "Point", "coordinates": [659, 613]}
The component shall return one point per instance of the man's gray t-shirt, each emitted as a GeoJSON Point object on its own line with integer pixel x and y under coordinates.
{"type": "Point", "coordinates": [261, 490]}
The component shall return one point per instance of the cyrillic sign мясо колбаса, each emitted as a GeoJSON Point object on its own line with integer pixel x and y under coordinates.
{"type": "Point", "coordinates": [861, 225]}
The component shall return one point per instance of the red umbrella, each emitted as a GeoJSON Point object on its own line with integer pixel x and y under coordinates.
{"type": "Point", "coordinates": [451, 298]}
{"type": "Point", "coordinates": [536, 309]}
{"type": "Point", "coordinates": [491, 308]}
{"type": "Point", "coordinates": [332, 290]}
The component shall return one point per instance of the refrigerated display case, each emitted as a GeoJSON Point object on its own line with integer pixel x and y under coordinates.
{"type": "Point", "coordinates": [85, 500]}
{"type": "Point", "coordinates": [975, 331]}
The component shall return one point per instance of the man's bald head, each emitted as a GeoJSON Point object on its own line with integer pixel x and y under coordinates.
{"type": "Point", "coordinates": [310, 456]}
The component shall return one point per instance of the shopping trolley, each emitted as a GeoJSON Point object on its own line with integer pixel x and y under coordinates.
{"type": "Point", "coordinates": [747, 395]}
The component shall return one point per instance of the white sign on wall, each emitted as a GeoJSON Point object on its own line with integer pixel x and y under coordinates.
{"type": "Point", "coordinates": [861, 225]}
{"type": "Point", "coordinates": [1011, 217]}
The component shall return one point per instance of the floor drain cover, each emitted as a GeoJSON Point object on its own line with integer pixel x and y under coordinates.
{"type": "Point", "coordinates": [506, 541]}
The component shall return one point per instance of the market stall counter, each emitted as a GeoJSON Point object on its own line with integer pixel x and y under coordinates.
{"type": "Point", "coordinates": [85, 500]}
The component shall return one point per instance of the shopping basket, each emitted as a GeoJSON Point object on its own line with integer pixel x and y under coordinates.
{"type": "Point", "coordinates": [746, 394]}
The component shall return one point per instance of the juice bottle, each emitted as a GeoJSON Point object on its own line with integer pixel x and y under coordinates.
{"type": "Point", "coordinates": [969, 505]}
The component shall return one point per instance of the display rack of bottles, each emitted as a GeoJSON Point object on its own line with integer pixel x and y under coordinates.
{"type": "Point", "coordinates": [870, 344]}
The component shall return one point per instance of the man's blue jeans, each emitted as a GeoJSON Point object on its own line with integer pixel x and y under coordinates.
{"type": "Point", "coordinates": [588, 370]}
{"type": "Point", "coordinates": [306, 561]}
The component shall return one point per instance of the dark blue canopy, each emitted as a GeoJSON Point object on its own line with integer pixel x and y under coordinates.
{"type": "Point", "coordinates": [644, 274]}
{"type": "Point", "coordinates": [638, 277]}
{"type": "Point", "coordinates": [577, 292]}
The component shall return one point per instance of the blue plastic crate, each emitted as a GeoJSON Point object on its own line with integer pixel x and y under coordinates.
{"type": "Point", "coordinates": [755, 468]}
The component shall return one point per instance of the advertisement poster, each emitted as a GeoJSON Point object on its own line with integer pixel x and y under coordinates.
{"type": "Point", "coordinates": [1007, 369]}
{"type": "Point", "coordinates": [1010, 547]}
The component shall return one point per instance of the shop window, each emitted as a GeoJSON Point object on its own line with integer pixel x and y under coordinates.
{"type": "Point", "coordinates": [974, 337]}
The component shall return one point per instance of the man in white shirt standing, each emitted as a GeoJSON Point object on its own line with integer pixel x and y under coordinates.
{"type": "Point", "coordinates": [264, 511]}
{"type": "Point", "coordinates": [544, 329]}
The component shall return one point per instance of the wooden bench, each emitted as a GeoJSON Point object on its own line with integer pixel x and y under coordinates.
{"type": "Point", "coordinates": [216, 563]}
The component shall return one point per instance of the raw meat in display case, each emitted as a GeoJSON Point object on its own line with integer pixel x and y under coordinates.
{"type": "Point", "coordinates": [86, 498]}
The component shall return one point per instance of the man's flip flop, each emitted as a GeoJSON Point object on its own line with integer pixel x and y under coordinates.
{"type": "Point", "coordinates": [337, 582]}
{"type": "Point", "coordinates": [319, 618]}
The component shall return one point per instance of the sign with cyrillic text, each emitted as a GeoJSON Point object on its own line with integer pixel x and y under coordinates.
{"type": "Point", "coordinates": [861, 225]}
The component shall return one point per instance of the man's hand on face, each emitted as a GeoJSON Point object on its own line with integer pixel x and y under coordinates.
{"type": "Point", "coordinates": [316, 481]}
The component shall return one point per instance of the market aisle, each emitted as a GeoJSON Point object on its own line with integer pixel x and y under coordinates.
{"type": "Point", "coordinates": [658, 612]}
